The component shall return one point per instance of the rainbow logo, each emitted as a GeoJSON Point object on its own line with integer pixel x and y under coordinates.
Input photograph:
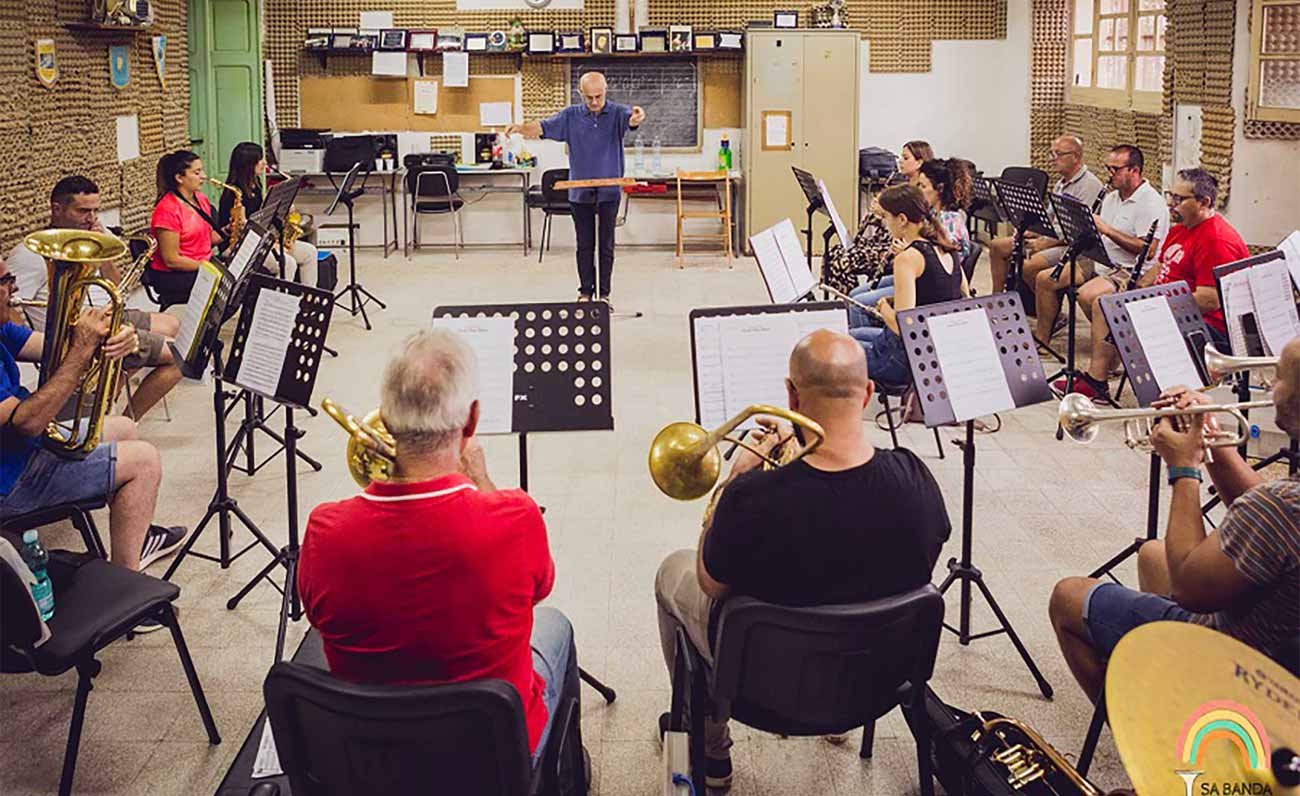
{"type": "Point", "coordinates": [1229, 720]}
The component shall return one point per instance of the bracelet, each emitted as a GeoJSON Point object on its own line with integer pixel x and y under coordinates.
{"type": "Point", "coordinates": [1176, 473]}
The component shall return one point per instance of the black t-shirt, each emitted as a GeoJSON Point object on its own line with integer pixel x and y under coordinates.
{"type": "Point", "coordinates": [802, 536]}
{"type": "Point", "coordinates": [252, 202]}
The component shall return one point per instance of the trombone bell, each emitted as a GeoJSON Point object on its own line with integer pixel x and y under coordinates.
{"type": "Point", "coordinates": [682, 462]}
{"type": "Point", "coordinates": [1218, 364]}
{"type": "Point", "coordinates": [371, 451]}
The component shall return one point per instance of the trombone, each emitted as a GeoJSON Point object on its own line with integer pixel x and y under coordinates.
{"type": "Point", "coordinates": [371, 451]}
{"type": "Point", "coordinates": [684, 459]}
{"type": "Point", "coordinates": [1219, 365]}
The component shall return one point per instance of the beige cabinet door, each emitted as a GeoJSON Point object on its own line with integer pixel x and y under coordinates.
{"type": "Point", "coordinates": [776, 83]}
{"type": "Point", "coordinates": [830, 148]}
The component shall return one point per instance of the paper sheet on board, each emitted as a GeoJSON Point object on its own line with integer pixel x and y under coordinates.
{"type": "Point", "coordinates": [968, 357]}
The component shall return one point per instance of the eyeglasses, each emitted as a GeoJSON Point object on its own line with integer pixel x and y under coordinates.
{"type": "Point", "coordinates": [1170, 196]}
{"type": "Point", "coordinates": [8, 280]}
{"type": "Point", "coordinates": [1058, 155]}
{"type": "Point", "coordinates": [1116, 169]}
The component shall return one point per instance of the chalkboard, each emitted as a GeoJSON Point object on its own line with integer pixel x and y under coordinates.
{"type": "Point", "coordinates": [668, 89]}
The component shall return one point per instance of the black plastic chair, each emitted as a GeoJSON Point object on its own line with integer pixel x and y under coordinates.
{"type": "Point", "coordinates": [971, 259]}
{"type": "Point", "coordinates": [464, 738]}
{"type": "Point", "coordinates": [899, 391]}
{"type": "Point", "coordinates": [434, 190]}
{"type": "Point", "coordinates": [96, 603]}
{"type": "Point", "coordinates": [814, 671]}
{"type": "Point", "coordinates": [551, 202]}
{"type": "Point", "coordinates": [1027, 175]}
{"type": "Point", "coordinates": [77, 513]}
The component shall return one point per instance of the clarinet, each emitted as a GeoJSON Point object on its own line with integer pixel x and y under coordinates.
{"type": "Point", "coordinates": [1142, 255]}
{"type": "Point", "coordinates": [1096, 206]}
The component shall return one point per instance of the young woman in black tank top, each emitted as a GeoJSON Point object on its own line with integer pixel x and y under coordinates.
{"type": "Point", "coordinates": [925, 272]}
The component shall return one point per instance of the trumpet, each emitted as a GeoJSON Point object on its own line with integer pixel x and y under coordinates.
{"type": "Point", "coordinates": [1219, 364]}
{"type": "Point", "coordinates": [372, 451]}
{"type": "Point", "coordinates": [684, 459]}
{"type": "Point", "coordinates": [845, 297]}
{"type": "Point", "coordinates": [1081, 418]}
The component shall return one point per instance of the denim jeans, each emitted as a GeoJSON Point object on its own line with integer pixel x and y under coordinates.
{"type": "Point", "coordinates": [870, 296]}
{"type": "Point", "coordinates": [555, 659]}
{"type": "Point", "coordinates": [886, 354]}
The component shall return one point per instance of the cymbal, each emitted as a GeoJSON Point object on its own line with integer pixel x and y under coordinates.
{"type": "Point", "coordinates": [1194, 711]}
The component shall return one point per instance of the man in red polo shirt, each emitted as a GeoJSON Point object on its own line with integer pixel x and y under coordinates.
{"type": "Point", "coordinates": [1199, 240]}
{"type": "Point", "coordinates": [432, 577]}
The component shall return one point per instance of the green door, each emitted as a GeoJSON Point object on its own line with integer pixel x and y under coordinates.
{"type": "Point", "coordinates": [225, 79]}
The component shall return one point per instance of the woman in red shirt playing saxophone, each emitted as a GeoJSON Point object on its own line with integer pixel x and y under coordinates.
{"type": "Point", "coordinates": [184, 225]}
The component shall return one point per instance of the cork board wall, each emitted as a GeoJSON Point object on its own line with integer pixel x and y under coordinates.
{"type": "Point", "coordinates": [900, 33]}
{"type": "Point", "coordinates": [336, 102]}
{"type": "Point", "coordinates": [70, 128]}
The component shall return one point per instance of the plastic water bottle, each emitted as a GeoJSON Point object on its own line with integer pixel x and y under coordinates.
{"type": "Point", "coordinates": [657, 156]}
{"type": "Point", "coordinates": [38, 561]}
{"type": "Point", "coordinates": [638, 158]}
{"type": "Point", "coordinates": [724, 154]}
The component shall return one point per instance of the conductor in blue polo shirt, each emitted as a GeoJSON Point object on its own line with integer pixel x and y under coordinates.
{"type": "Point", "coordinates": [594, 132]}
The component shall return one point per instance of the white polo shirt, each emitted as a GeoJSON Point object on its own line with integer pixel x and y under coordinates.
{"type": "Point", "coordinates": [1133, 216]}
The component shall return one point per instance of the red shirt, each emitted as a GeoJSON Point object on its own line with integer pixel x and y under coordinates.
{"type": "Point", "coordinates": [1192, 254]}
{"type": "Point", "coordinates": [174, 215]}
{"type": "Point", "coordinates": [429, 582]}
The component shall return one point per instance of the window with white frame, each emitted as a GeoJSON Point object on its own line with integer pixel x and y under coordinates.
{"type": "Point", "coordinates": [1117, 53]}
{"type": "Point", "coordinates": [1275, 61]}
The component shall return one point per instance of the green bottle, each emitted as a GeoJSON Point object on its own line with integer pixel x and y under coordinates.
{"type": "Point", "coordinates": [724, 154]}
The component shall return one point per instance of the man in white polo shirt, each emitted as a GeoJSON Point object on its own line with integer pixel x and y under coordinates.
{"type": "Point", "coordinates": [1126, 216]}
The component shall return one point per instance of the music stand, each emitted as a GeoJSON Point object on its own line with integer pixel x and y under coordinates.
{"type": "Point", "coordinates": [208, 349]}
{"type": "Point", "coordinates": [1145, 390]}
{"type": "Point", "coordinates": [357, 295]}
{"type": "Point", "coordinates": [808, 184]}
{"type": "Point", "coordinates": [561, 379]}
{"type": "Point", "coordinates": [981, 198]}
{"type": "Point", "coordinates": [1083, 239]}
{"type": "Point", "coordinates": [1022, 207]}
{"type": "Point", "coordinates": [1024, 376]}
{"type": "Point", "coordinates": [297, 377]}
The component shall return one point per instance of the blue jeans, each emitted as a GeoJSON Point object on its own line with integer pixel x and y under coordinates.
{"type": "Point", "coordinates": [869, 296]}
{"type": "Point", "coordinates": [556, 661]}
{"type": "Point", "coordinates": [886, 355]}
{"type": "Point", "coordinates": [1110, 611]}
{"type": "Point", "coordinates": [49, 480]}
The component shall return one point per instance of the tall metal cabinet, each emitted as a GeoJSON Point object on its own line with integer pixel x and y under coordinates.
{"type": "Point", "coordinates": [813, 76]}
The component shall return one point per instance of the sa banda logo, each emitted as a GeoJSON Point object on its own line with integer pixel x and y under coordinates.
{"type": "Point", "coordinates": [1223, 720]}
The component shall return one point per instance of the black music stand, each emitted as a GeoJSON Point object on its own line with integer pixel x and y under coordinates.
{"type": "Point", "coordinates": [1145, 390]}
{"type": "Point", "coordinates": [297, 379]}
{"type": "Point", "coordinates": [808, 184]}
{"type": "Point", "coordinates": [981, 198]}
{"type": "Point", "coordinates": [1022, 207]}
{"type": "Point", "coordinates": [357, 295]}
{"type": "Point", "coordinates": [561, 376]}
{"type": "Point", "coordinates": [1024, 375]}
{"type": "Point", "coordinates": [208, 349]}
{"type": "Point", "coordinates": [1083, 239]}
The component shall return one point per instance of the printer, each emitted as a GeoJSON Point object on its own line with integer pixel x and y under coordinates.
{"type": "Point", "coordinates": [302, 150]}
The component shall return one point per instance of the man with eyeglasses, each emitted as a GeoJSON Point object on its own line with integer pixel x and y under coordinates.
{"type": "Point", "coordinates": [1042, 253]}
{"type": "Point", "coordinates": [1127, 214]}
{"type": "Point", "coordinates": [1198, 240]}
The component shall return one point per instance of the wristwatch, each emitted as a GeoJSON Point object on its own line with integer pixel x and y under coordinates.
{"type": "Point", "coordinates": [1176, 473]}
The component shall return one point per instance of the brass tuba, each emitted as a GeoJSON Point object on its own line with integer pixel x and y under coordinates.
{"type": "Point", "coordinates": [684, 458]}
{"type": "Point", "coordinates": [372, 451]}
{"type": "Point", "coordinates": [73, 258]}
{"type": "Point", "coordinates": [238, 216]}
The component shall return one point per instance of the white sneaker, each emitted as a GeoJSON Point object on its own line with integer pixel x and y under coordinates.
{"type": "Point", "coordinates": [161, 542]}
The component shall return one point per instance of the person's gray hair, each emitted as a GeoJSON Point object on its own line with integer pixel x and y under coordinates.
{"type": "Point", "coordinates": [1204, 186]}
{"type": "Point", "coordinates": [427, 390]}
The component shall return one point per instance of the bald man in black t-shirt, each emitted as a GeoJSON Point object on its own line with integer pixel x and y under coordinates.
{"type": "Point", "coordinates": [848, 523]}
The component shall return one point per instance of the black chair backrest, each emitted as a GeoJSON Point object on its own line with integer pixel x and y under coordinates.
{"type": "Point", "coordinates": [970, 260]}
{"type": "Point", "coordinates": [549, 194]}
{"type": "Point", "coordinates": [423, 180]}
{"type": "Point", "coordinates": [1025, 175]}
{"type": "Point", "coordinates": [825, 669]}
{"type": "Point", "coordinates": [417, 159]}
{"type": "Point", "coordinates": [20, 625]}
{"type": "Point", "coordinates": [338, 737]}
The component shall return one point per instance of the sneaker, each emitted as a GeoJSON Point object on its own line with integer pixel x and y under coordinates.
{"type": "Point", "coordinates": [837, 739]}
{"type": "Point", "coordinates": [717, 773]}
{"type": "Point", "coordinates": [608, 303]}
{"type": "Point", "coordinates": [1084, 385]}
{"type": "Point", "coordinates": [147, 626]}
{"type": "Point", "coordinates": [161, 542]}
{"type": "Point", "coordinates": [583, 297]}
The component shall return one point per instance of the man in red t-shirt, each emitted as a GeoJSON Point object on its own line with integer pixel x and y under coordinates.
{"type": "Point", "coordinates": [432, 576]}
{"type": "Point", "coordinates": [1199, 240]}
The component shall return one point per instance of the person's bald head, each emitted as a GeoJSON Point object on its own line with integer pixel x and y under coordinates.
{"type": "Point", "coordinates": [829, 366]}
{"type": "Point", "coordinates": [1286, 390]}
{"type": "Point", "coordinates": [592, 87]}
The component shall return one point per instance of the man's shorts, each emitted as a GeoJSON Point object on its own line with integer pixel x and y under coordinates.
{"type": "Point", "coordinates": [151, 345]}
{"type": "Point", "coordinates": [1083, 267]}
{"type": "Point", "coordinates": [1111, 610]}
{"type": "Point", "coordinates": [49, 480]}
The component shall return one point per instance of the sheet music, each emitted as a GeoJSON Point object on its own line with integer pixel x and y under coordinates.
{"type": "Point", "coordinates": [1237, 301]}
{"type": "Point", "coordinates": [493, 341]}
{"type": "Point", "coordinates": [772, 266]}
{"type": "Point", "coordinates": [269, 336]}
{"type": "Point", "coordinates": [968, 357]}
{"type": "Point", "coordinates": [1165, 349]}
{"type": "Point", "coordinates": [1291, 249]}
{"type": "Point", "coordinates": [840, 229]}
{"type": "Point", "coordinates": [244, 255]}
{"type": "Point", "coordinates": [1275, 313]}
{"type": "Point", "coordinates": [204, 281]}
{"type": "Point", "coordinates": [267, 761]}
{"type": "Point", "coordinates": [744, 359]}
{"type": "Point", "coordinates": [787, 240]}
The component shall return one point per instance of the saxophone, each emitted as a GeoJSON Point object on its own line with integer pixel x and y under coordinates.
{"type": "Point", "coordinates": [292, 228]}
{"type": "Point", "coordinates": [135, 270]}
{"type": "Point", "coordinates": [237, 215]}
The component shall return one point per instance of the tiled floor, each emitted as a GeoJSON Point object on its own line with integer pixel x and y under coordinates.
{"type": "Point", "coordinates": [1043, 509]}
